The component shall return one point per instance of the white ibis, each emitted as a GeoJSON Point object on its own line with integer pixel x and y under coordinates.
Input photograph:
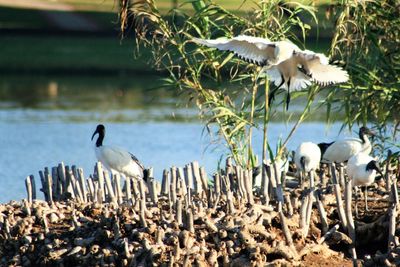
{"type": "Point", "coordinates": [307, 157]}
{"type": "Point", "coordinates": [343, 150]}
{"type": "Point", "coordinates": [117, 159]}
{"type": "Point", "coordinates": [287, 65]}
{"type": "Point", "coordinates": [361, 169]}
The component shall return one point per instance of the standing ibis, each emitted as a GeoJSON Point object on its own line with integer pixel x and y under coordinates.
{"type": "Point", "coordinates": [361, 169]}
{"type": "Point", "coordinates": [117, 159]}
{"type": "Point", "coordinates": [307, 157]}
{"type": "Point", "coordinates": [343, 150]}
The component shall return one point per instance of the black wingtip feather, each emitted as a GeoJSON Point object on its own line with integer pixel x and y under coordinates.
{"type": "Point", "coordinates": [145, 175]}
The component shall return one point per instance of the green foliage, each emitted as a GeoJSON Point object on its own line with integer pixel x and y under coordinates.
{"type": "Point", "coordinates": [224, 88]}
{"type": "Point", "coordinates": [367, 39]}
{"type": "Point", "coordinates": [227, 90]}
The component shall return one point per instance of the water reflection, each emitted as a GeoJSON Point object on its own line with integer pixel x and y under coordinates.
{"type": "Point", "coordinates": [118, 99]}
{"type": "Point", "coordinates": [84, 92]}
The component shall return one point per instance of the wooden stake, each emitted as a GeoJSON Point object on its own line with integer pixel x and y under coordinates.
{"type": "Point", "coordinates": [44, 186]}
{"type": "Point", "coordinates": [190, 223]}
{"type": "Point", "coordinates": [100, 177]}
{"type": "Point", "coordinates": [28, 186]}
{"type": "Point", "coordinates": [241, 188]}
{"type": "Point", "coordinates": [217, 189]}
{"type": "Point", "coordinates": [198, 188]}
{"type": "Point", "coordinates": [322, 212]}
{"type": "Point", "coordinates": [82, 184]}
{"type": "Point", "coordinates": [338, 195]}
{"type": "Point", "coordinates": [110, 190]}
{"type": "Point", "coordinates": [264, 184]}
{"type": "Point", "coordinates": [165, 185]}
{"type": "Point", "coordinates": [69, 185]}
{"type": "Point", "coordinates": [231, 207]}
{"type": "Point", "coordinates": [92, 194]}
{"type": "Point", "coordinates": [62, 178]}
{"type": "Point", "coordinates": [204, 178]}
{"type": "Point", "coordinates": [33, 183]}
{"type": "Point", "coordinates": [142, 189]}
{"type": "Point", "coordinates": [392, 228]}
{"type": "Point", "coordinates": [117, 181]}
{"type": "Point", "coordinates": [181, 184]}
{"type": "Point", "coordinates": [173, 184]}
{"type": "Point", "coordinates": [289, 206]}
{"type": "Point", "coordinates": [153, 191]}
{"type": "Point", "coordinates": [394, 193]}
{"type": "Point", "coordinates": [135, 189]}
{"type": "Point", "coordinates": [128, 190]}
{"type": "Point", "coordinates": [350, 221]}
{"type": "Point", "coordinates": [341, 176]}
{"type": "Point", "coordinates": [309, 204]}
{"type": "Point", "coordinates": [189, 176]}
{"type": "Point", "coordinates": [285, 229]}
{"type": "Point", "coordinates": [49, 188]}
{"type": "Point", "coordinates": [387, 171]}
{"type": "Point", "coordinates": [56, 184]}
{"type": "Point", "coordinates": [303, 212]}
{"type": "Point", "coordinates": [178, 211]}
{"type": "Point", "coordinates": [142, 215]}
{"type": "Point", "coordinates": [249, 186]}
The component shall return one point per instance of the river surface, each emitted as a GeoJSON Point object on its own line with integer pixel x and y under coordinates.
{"type": "Point", "coordinates": [44, 121]}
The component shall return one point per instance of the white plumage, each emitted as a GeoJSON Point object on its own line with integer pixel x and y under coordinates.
{"type": "Point", "coordinates": [361, 169]}
{"type": "Point", "coordinates": [117, 159]}
{"type": "Point", "coordinates": [287, 65]}
{"type": "Point", "coordinates": [343, 150]}
{"type": "Point", "coordinates": [307, 157]}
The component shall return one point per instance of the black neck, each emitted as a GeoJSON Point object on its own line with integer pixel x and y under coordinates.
{"type": "Point", "coordinates": [362, 137]}
{"type": "Point", "coordinates": [323, 147]}
{"type": "Point", "coordinates": [99, 141]}
{"type": "Point", "coordinates": [303, 163]}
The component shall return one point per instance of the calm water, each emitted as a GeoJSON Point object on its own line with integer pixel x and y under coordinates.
{"type": "Point", "coordinates": [45, 121]}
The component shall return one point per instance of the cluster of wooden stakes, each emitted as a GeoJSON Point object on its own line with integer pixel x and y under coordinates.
{"type": "Point", "coordinates": [228, 221]}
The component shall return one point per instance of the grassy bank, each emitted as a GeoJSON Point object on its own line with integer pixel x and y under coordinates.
{"type": "Point", "coordinates": [57, 54]}
{"type": "Point", "coordinates": [30, 42]}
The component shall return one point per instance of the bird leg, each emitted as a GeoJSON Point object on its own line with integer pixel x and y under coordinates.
{"type": "Point", "coordinates": [271, 96]}
{"type": "Point", "coordinates": [282, 82]}
{"type": "Point", "coordinates": [356, 196]}
{"type": "Point", "coordinates": [288, 96]}
{"type": "Point", "coordinates": [366, 198]}
{"type": "Point", "coordinates": [301, 178]}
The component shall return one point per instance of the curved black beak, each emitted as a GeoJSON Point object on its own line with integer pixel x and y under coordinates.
{"type": "Point", "coordinates": [371, 133]}
{"type": "Point", "coordinates": [303, 163]}
{"type": "Point", "coordinates": [95, 132]}
{"type": "Point", "coordinates": [379, 170]}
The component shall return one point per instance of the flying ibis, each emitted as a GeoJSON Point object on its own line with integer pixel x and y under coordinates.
{"type": "Point", "coordinates": [286, 64]}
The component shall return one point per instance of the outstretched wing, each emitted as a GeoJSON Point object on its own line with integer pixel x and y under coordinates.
{"type": "Point", "coordinates": [252, 49]}
{"type": "Point", "coordinates": [318, 68]}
